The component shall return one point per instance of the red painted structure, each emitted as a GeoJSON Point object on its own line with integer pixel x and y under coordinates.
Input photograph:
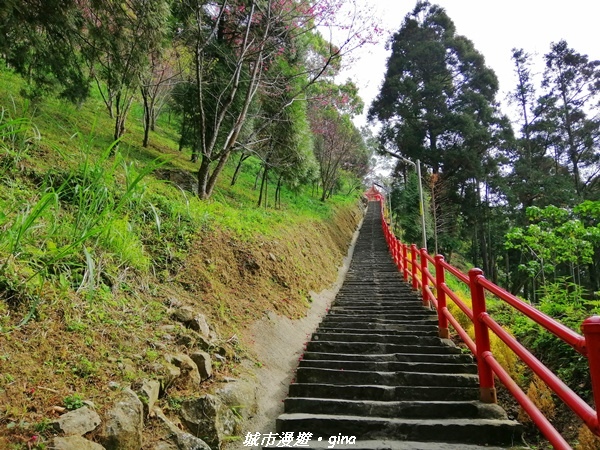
{"type": "Point", "coordinates": [416, 267]}
{"type": "Point", "coordinates": [374, 195]}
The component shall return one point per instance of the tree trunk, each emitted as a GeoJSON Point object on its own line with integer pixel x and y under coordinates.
{"type": "Point", "coordinates": [146, 117]}
{"type": "Point", "coordinates": [256, 178]}
{"type": "Point", "coordinates": [278, 193]}
{"type": "Point", "coordinates": [212, 181]}
{"type": "Point", "coordinates": [263, 188]}
{"type": "Point", "coordinates": [184, 124]}
{"type": "Point", "coordinates": [243, 157]}
{"type": "Point", "coordinates": [203, 175]}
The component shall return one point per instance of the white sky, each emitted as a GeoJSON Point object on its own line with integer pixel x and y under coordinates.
{"type": "Point", "coordinates": [495, 27]}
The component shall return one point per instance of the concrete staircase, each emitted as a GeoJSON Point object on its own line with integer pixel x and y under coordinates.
{"type": "Point", "coordinates": [376, 369]}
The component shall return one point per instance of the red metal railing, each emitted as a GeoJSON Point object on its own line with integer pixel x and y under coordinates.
{"type": "Point", "coordinates": [415, 264]}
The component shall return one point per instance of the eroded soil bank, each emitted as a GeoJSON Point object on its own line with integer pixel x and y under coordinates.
{"type": "Point", "coordinates": [261, 298]}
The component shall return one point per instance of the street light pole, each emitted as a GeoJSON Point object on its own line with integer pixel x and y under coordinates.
{"type": "Point", "coordinates": [421, 204]}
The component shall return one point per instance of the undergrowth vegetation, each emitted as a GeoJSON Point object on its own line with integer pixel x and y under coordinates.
{"type": "Point", "coordinates": [563, 301]}
{"type": "Point", "coordinates": [98, 244]}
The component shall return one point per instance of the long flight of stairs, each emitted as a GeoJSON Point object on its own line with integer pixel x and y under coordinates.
{"type": "Point", "coordinates": [376, 369]}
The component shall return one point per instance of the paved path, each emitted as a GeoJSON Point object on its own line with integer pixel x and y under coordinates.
{"type": "Point", "coordinates": [377, 371]}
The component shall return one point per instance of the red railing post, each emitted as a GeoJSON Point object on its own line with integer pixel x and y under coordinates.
{"type": "Point", "coordinates": [591, 330]}
{"type": "Point", "coordinates": [440, 281]}
{"type": "Point", "coordinates": [413, 268]}
{"type": "Point", "coordinates": [424, 280]}
{"type": "Point", "coordinates": [405, 261]}
{"type": "Point", "coordinates": [487, 391]}
{"type": "Point", "coordinates": [399, 262]}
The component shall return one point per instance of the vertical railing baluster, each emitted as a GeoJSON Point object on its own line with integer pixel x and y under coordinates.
{"type": "Point", "coordinates": [487, 391]}
{"type": "Point", "coordinates": [591, 331]}
{"type": "Point", "coordinates": [413, 268]}
{"type": "Point", "coordinates": [405, 260]}
{"type": "Point", "coordinates": [440, 281]}
{"type": "Point", "coordinates": [424, 279]}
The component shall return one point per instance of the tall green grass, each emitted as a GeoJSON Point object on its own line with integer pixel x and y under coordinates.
{"type": "Point", "coordinates": [78, 226]}
{"type": "Point", "coordinates": [76, 217]}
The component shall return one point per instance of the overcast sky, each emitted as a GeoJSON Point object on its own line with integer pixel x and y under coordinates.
{"type": "Point", "coordinates": [495, 27]}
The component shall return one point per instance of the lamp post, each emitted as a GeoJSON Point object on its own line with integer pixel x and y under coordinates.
{"type": "Point", "coordinates": [388, 192]}
{"type": "Point", "coordinates": [417, 166]}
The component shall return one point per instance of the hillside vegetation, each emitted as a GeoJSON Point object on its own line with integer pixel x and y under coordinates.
{"type": "Point", "coordinates": [100, 245]}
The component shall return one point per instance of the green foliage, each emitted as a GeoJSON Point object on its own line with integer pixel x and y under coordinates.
{"type": "Point", "coordinates": [73, 402]}
{"type": "Point", "coordinates": [77, 217]}
{"type": "Point", "coordinates": [563, 301]}
{"type": "Point", "coordinates": [554, 237]}
{"type": "Point", "coordinates": [18, 136]}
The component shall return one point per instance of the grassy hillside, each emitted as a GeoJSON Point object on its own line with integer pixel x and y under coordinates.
{"type": "Point", "coordinates": [96, 249]}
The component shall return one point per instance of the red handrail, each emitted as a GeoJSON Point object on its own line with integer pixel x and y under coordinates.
{"type": "Point", "coordinates": [415, 264]}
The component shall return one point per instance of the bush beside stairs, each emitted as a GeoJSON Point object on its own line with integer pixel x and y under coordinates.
{"type": "Point", "coordinates": [376, 369]}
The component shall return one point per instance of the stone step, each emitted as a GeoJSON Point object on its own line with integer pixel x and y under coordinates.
{"type": "Point", "coordinates": [415, 327]}
{"type": "Point", "coordinates": [418, 318]}
{"type": "Point", "coordinates": [376, 337]}
{"type": "Point", "coordinates": [467, 431]}
{"type": "Point", "coordinates": [376, 347]}
{"type": "Point", "coordinates": [387, 366]}
{"type": "Point", "coordinates": [396, 409]}
{"type": "Point", "coordinates": [457, 358]}
{"type": "Point", "coordinates": [383, 393]}
{"type": "Point", "coordinates": [406, 319]}
{"type": "Point", "coordinates": [357, 377]}
{"type": "Point", "coordinates": [381, 310]}
{"type": "Point", "coordinates": [368, 297]}
{"type": "Point", "coordinates": [428, 330]}
{"type": "Point", "coordinates": [376, 369]}
{"type": "Point", "coordinates": [365, 315]}
{"type": "Point", "coordinates": [388, 305]}
{"type": "Point", "coordinates": [380, 323]}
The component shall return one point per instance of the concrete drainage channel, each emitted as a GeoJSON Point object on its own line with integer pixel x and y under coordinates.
{"type": "Point", "coordinates": [376, 376]}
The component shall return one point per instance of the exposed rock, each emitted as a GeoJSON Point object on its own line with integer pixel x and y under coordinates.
{"type": "Point", "coordinates": [208, 418]}
{"type": "Point", "coordinates": [164, 445]}
{"type": "Point", "coordinates": [77, 422]}
{"type": "Point", "coordinates": [189, 371]}
{"type": "Point", "coordinates": [192, 339]}
{"type": "Point", "coordinates": [224, 351]}
{"type": "Point", "coordinates": [127, 366]}
{"type": "Point", "coordinates": [184, 315]}
{"type": "Point", "coordinates": [200, 325]}
{"type": "Point", "coordinates": [148, 393]}
{"type": "Point", "coordinates": [201, 342]}
{"type": "Point", "coordinates": [124, 423]}
{"type": "Point", "coordinates": [74, 443]}
{"type": "Point", "coordinates": [183, 179]}
{"type": "Point", "coordinates": [90, 404]}
{"type": "Point", "coordinates": [204, 363]}
{"type": "Point", "coordinates": [193, 320]}
{"type": "Point", "coordinates": [167, 337]}
{"type": "Point", "coordinates": [173, 302]}
{"type": "Point", "coordinates": [170, 373]}
{"type": "Point", "coordinates": [185, 441]}
{"type": "Point", "coordinates": [240, 396]}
